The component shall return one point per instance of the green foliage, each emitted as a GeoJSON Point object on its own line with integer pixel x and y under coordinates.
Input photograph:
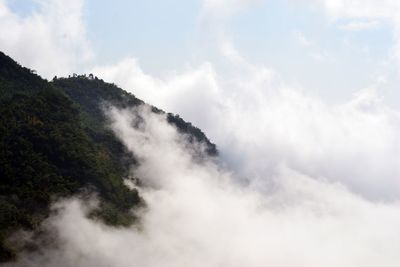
{"type": "Point", "coordinates": [46, 152]}
{"type": "Point", "coordinates": [90, 92]}
{"type": "Point", "coordinates": [194, 133]}
{"type": "Point", "coordinates": [16, 79]}
{"type": "Point", "coordinates": [54, 142]}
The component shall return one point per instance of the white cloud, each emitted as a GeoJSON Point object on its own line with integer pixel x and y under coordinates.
{"type": "Point", "coordinates": [198, 216]}
{"type": "Point", "coordinates": [259, 123]}
{"type": "Point", "coordinates": [51, 40]}
{"type": "Point", "coordinates": [196, 87]}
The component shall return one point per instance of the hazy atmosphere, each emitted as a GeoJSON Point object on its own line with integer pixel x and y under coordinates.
{"type": "Point", "coordinates": [300, 97]}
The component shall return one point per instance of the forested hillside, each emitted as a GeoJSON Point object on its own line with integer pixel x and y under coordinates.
{"type": "Point", "coordinates": [54, 143]}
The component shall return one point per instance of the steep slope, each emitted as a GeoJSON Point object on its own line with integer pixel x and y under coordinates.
{"type": "Point", "coordinates": [90, 92]}
{"type": "Point", "coordinates": [54, 143]}
{"type": "Point", "coordinates": [45, 153]}
{"type": "Point", "coordinates": [15, 79]}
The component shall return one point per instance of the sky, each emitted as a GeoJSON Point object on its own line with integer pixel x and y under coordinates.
{"type": "Point", "coordinates": [300, 98]}
{"type": "Point", "coordinates": [320, 45]}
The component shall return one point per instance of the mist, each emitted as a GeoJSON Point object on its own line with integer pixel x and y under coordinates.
{"type": "Point", "coordinates": [198, 213]}
{"type": "Point", "coordinates": [261, 122]}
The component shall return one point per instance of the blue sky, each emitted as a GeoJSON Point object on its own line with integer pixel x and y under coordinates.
{"type": "Point", "coordinates": [156, 31]}
{"type": "Point", "coordinates": [299, 40]}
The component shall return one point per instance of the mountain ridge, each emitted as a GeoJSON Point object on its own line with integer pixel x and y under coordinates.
{"type": "Point", "coordinates": [54, 142]}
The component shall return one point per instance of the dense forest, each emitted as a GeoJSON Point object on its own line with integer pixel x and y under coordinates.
{"type": "Point", "coordinates": [55, 143]}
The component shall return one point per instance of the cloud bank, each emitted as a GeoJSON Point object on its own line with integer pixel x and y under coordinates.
{"type": "Point", "coordinates": [197, 215]}
{"type": "Point", "coordinates": [259, 122]}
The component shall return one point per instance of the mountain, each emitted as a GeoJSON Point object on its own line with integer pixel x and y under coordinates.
{"type": "Point", "coordinates": [55, 143]}
{"type": "Point", "coordinates": [89, 92]}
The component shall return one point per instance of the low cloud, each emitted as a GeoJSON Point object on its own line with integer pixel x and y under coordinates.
{"type": "Point", "coordinates": [197, 215]}
{"type": "Point", "coordinates": [260, 122]}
